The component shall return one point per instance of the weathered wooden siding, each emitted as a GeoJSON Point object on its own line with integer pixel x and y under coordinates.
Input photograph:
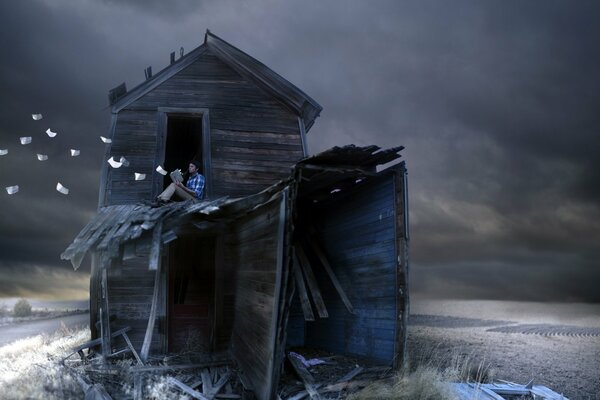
{"type": "Point", "coordinates": [358, 236]}
{"type": "Point", "coordinates": [258, 256]}
{"type": "Point", "coordinates": [254, 139]}
{"type": "Point", "coordinates": [135, 139]}
{"type": "Point", "coordinates": [130, 289]}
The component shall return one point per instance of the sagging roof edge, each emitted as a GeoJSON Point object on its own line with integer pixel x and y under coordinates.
{"type": "Point", "coordinates": [118, 224]}
{"type": "Point", "coordinates": [280, 88]}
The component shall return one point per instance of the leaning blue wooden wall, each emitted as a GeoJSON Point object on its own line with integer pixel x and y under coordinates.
{"type": "Point", "coordinates": [358, 236]}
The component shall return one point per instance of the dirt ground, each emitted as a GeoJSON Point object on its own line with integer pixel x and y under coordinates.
{"type": "Point", "coordinates": [568, 363]}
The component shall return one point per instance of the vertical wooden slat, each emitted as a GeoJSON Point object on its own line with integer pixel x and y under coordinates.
{"type": "Point", "coordinates": [104, 309]}
{"type": "Point", "coordinates": [402, 239]}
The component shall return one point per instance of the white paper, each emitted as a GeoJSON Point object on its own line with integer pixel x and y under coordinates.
{"type": "Point", "coordinates": [3, 152]}
{"type": "Point", "coordinates": [36, 117]}
{"type": "Point", "coordinates": [113, 163]}
{"type": "Point", "coordinates": [139, 177]}
{"type": "Point", "coordinates": [12, 189]}
{"type": "Point", "coordinates": [50, 133]}
{"type": "Point", "coordinates": [75, 153]}
{"type": "Point", "coordinates": [124, 161]}
{"type": "Point", "coordinates": [25, 139]}
{"type": "Point", "coordinates": [42, 157]}
{"type": "Point", "coordinates": [61, 188]}
{"type": "Point", "coordinates": [105, 140]}
{"type": "Point", "coordinates": [160, 170]}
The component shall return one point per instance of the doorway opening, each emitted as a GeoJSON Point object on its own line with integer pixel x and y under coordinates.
{"type": "Point", "coordinates": [191, 294]}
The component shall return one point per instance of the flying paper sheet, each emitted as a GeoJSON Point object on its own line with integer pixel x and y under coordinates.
{"type": "Point", "coordinates": [12, 189]}
{"type": "Point", "coordinates": [36, 117]}
{"type": "Point", "coordinates": [124, 161]}
{"type": "Point", "coordinates": [74, 153]}
{"type": "Point", "coordinates": [113, 163]}
{"type": "Point", "coordinates": [61, 188]}
{"type": "Point", "coordinates": [3, 152]}
{"type": "Point", "coordinates": [140, 177]}
{"type": "Point", "coordinates": [105, 140]}
{"type": "Point", "coordinates": [160, 170]}
{"type": "Point", "coordinates": [25, 139]}
{"type": "Point", "coordinates": [42, 157]}
{"type": "Point", "coordinates": [50, 133]}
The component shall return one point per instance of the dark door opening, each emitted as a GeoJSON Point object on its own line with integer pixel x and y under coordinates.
{"type": "Point", "coordinates": [184, 143]}
{"type": "Point", "coordinates": [191, 293]}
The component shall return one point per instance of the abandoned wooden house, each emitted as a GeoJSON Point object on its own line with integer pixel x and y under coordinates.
{"type": "Point", "coordinates": [284, 250]}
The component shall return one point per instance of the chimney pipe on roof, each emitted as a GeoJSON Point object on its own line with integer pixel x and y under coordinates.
{"type": "Point", "coordinates": [172, 57]}
{"type": "Point", "coordinates": [148, 72]}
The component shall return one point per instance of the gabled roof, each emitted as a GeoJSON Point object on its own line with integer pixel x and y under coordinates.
{"type": "Point", "coordinates": [285, 92]}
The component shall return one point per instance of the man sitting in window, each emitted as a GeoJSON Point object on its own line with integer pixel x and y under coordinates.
{"type": "Point", "coordinates": [193, 188]}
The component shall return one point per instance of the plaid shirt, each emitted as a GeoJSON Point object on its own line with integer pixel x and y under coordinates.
{"type": "Point", "coordinates": [196, 183]}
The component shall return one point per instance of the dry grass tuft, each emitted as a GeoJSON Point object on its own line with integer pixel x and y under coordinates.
{"type": "Point", "coordinates": [29, 368]}
{"type": "Point", "coordinates": [425, 379]}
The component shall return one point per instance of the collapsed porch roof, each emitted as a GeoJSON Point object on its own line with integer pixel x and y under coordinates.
{"type": "Point", "coordinates": [317, 177]}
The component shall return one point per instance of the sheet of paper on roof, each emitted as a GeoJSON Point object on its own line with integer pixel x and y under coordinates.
{"type": "Point", "coordinates": [105, 140]}
{"type": "Point", "coordinates": [36, 117]}
{"type": "Point", "coordinates": [61, 188]}
{"type": "Point", "coordinates": [42, 157]}
{"type": "Point", "coordinates": [75, 153]}
{"type": "Point", "coordinates": [50, 133]}
{"type": "Point", "coordinates": [161, 170]}
{"type": "Point", "coordinates": [113, 163]}
{"type": "Point", "coordinates": [25, 139]}
{"type": "Point", "coordinates": [3, 152]}
{"type": "Point", "coordinates": [139, 177]}
{"type": "Point", "coordinates": [124, 161]}
{"type": "Point", "coordinates": [12, 189]}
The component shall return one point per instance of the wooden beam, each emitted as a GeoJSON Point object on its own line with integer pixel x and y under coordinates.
{"type": "Point", "coordinates": [304, 301]}
{"type": "Point", "coordinates": [312, 281]}
{"type": "Point", "coordinates": [135, 353]}
{"type": "Point", "coordinates": [307, 378]}
{"type": "Point", "coordinates": [219, 385]}
{"type": "Point", "coordinates": [206, 382]}
{"type": "Point", "coordinates": [336, 283]}
{"type": "Point", "coordinates": [195, 394]}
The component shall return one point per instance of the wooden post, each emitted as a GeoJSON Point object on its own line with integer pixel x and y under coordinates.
{"type": "Point", "coordinates": [104, 309]}
{"type": "Point", "coordinates": [402, 256]}
{"type": "Point", "coordinates": [155, 264]}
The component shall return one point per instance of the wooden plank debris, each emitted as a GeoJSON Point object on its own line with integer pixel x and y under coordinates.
{"type": "Point", "coordinates": [303, 295]}
{"type": "Point", "coordinates": [194, 393]}
{"type": "Point", "coordinates": [305, 375]}
{"type": "Point", "coordinates": [312, 282]}
{"type": "Point", "coordinates": [336, 283]}
{"type": "Point", "coordinates": [93, 343]}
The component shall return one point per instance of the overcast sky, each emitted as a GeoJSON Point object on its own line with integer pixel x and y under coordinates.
{"type": "Point", "coordinates": [497, 104]}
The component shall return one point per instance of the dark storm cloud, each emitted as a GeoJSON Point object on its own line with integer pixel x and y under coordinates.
{"type": "Point", "coordinates": [496, 104]}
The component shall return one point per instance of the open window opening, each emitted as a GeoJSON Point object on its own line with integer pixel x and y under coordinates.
{"type": "Point", "coordinates": [183, 144]}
